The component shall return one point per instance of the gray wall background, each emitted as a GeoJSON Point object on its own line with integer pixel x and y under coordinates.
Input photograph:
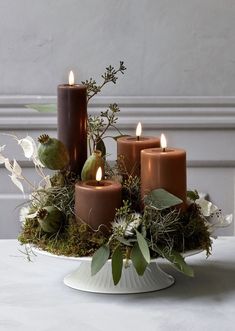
{"type": "Point", "coordinates": [171, 47]}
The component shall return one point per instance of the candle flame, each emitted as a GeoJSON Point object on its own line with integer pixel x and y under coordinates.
{"type": "Point", "coordinates": [71, 78]}
{"type": "Point", "coordinates": [138, 130]}
{"type": "Point", "coordinates": [163, 141]}
{"type": "Point", "coordinates": [98, 176]}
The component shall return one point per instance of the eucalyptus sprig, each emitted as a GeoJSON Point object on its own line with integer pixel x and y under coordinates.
{"type": "Point", "coordinates": [109, 76]}
{"type": "Point", "coordinates": [99, 125]}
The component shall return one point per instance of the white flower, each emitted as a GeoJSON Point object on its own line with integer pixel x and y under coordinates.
{"type": "Point", "coordinates": [30, 150]}
{"type": "Point", "coordinates": [28, 145]}
{"type": "Point", "coordinates": [16, 173]}
{"type": "Point", "coordinates": [17, 183]}
{"type": "Point", "coordinates": [120, 225]}
{"type": "Point", "coordinates": [207, 207]}
{"type": "Point", "coordinates": [213, 215]}
{"type": "Point", "coordinates": [218, 220]}
{"type": "Point", "coordinates": [134, 224]}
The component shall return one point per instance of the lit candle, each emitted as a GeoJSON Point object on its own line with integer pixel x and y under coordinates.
{"type": "Point", "coordinates": [98, 175]}
{"type": "Point", "coordinates": [72, 122]}
{"type": "Point", "coordinates": [164, 168]}
{"type": "Point", "coordinates": [130, 147]}
{"type": "Point", "coordinates": [96, 201]}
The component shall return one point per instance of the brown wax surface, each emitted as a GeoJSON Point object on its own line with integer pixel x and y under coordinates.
{"type": "Point", "coordinates": [130, 148]}
{"type": "Point", "coordinates": [165, 170]}
{"type": "Point", "coordinates": [102, 183]}
{"type": "Point", "coordinates": [96, 204]}
{"type": "Point", "coordinates": [72, 123]}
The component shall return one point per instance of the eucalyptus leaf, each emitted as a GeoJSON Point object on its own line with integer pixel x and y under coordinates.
{"type": "Point", "coordinates": [176, 259]}
{"type": "Point", "coordinates": [99, 259]}
{"type": "Point", "coordinates": [44, 108]}
{"type": "Point", "coordinates": [143, 246]}
{"type": "Point", "coordinates": [124, 241]}
{"type": "Point", "coordinates": [162, 199]}
{"type": "Point", "coordinates": [138, 260]}
{"type": "Point", "coordinates": [117, 263]}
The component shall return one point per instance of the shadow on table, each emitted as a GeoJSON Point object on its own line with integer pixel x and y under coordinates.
{"type": "Point", "coordinates": [211, 281]}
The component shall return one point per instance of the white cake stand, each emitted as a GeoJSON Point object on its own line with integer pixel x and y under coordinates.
{"type": "Point", "coordinates": [154, 278]}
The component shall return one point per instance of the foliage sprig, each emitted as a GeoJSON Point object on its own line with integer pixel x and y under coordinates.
{"type": "Point", "coordinates": [109, 76]}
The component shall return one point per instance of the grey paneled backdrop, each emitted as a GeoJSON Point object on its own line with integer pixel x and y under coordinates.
{"type": "Point", "coordinates": [184, 49]}
{"type": "Point", "coordinates": [171, 47]}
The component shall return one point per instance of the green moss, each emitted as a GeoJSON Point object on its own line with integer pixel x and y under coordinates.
{"type": "Point", "coordinates": [74, 240]}
{"type": "Point", "coordinates": [188, 232]}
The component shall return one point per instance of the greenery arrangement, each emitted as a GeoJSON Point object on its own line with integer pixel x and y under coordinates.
{"type": "Point", "coordinates": [137, 234]}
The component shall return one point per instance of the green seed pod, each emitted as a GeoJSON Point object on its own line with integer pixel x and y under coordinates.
{"type": "Point", "coordinates": [52, 153]}
{"type": "Point", "coordinates": [91, 166]}
{"type": "Point", "coordinates": [50, 219]}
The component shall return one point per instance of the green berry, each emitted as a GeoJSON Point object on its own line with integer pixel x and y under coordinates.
{"type": "Point", "coordinates": [50, 219]}
{"type": "Point", "coordinates": [52, 153]}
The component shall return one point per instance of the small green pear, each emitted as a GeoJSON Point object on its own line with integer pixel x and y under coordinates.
{"type": "Point", "coordinates": [91, 166]}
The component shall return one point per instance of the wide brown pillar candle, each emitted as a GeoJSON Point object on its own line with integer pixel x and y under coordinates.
{"type": "Point", "coordinates": [130, 147]}
{"type": "Point", "coordinates": [164, 168]}
{"type": "Point", "coordinates": [96, 202]}
{"type": "Point", "coordinates": [72, 122]}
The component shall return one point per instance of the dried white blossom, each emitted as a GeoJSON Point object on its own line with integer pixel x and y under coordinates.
{"type": "Point", "coordinates": [16, 173]}
{"type": "Point", "coordinates": [28, 145]}
{"type": "Point", "coordinates": [213, 215]}
{"type": "Point", "coordinates": [17, 183]}
{"type": "Point", "coordinates": [126, 226]}
{"type": "Point", "coordinates": [207, 207]}
{"type": "Point", "coordinates": [30, 150]}
{"type": "Point", "coordinates": [134, 224]}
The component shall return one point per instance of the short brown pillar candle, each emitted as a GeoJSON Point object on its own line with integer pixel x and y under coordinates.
{"type": "Point", "coordinates": [130, 147]}
{"type": "Point", "coordinates": [164, 168]}
{"type": "Point", "coordinates": [96, 202]}
{"type": "Point", "coordinates": [72, 122]}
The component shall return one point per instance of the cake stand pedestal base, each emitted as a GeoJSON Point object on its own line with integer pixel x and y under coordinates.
{"type": "Point", "coordinates": [154, 279]}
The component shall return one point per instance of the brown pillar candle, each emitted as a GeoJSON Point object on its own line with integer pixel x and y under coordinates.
{"type": "Point", "coordinates": [96, 202]}
{"type": "Point", "coordinates": [130, 147]}
{"type": "Point", "coordinates": [72, 122]}
{"type": "Point", "coordinates": [164, 168]}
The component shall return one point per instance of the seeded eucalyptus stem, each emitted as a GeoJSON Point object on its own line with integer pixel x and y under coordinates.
{"type": "Point", "coordinates": [99, 125]}
{"type": "Point", "coordinates": [110, 75]}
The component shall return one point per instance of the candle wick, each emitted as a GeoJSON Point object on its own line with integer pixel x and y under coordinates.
{"type": "Point", "coordinates": [138, 138]}
{"type": "Point", "coordinates": [98, 183]}
{"type": "Point", "coordinates": [164, 149]}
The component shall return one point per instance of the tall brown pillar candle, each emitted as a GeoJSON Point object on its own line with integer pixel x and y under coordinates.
{"type": "Point", "coordinates": [164, 168]}
{"type": "Point", "coordinates": [130, 147]}
{"type": "Point", "coordinates": [96, 202]}
{"type": "Point", "coordinates": [72, 122]}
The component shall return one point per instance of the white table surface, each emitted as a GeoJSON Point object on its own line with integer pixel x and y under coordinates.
{"type": "Point", "coordinates": [33, 296]}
